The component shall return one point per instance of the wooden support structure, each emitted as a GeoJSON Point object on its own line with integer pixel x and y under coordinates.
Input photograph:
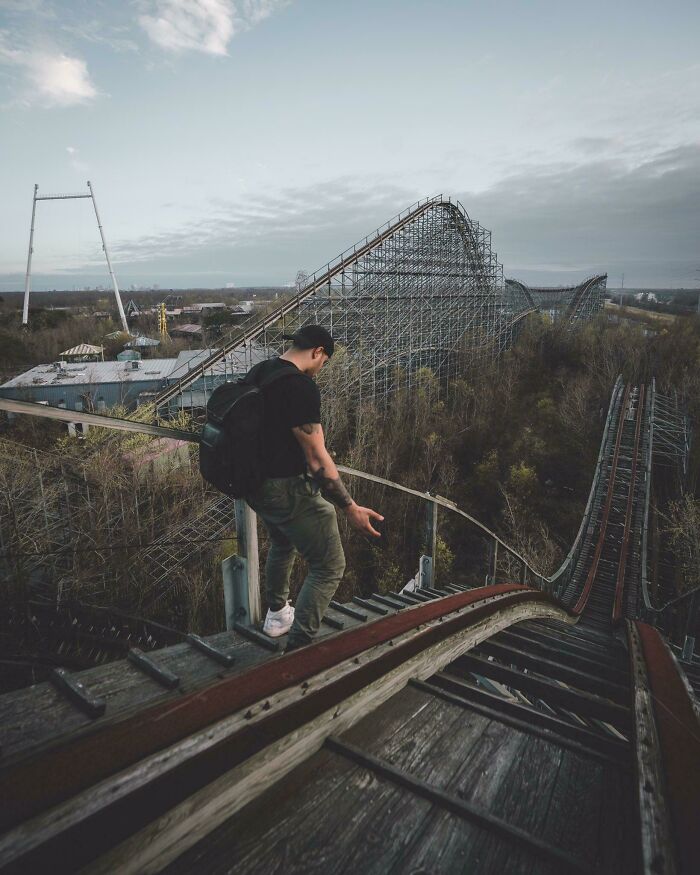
{"type": "Point", "coordinates": [253, 729]}
{"type": "Point", "coordinates": [668, 755]}
{"type": "Point", "coordinates": [654, 814]}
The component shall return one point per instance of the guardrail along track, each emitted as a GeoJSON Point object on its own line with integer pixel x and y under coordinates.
{"type": "Point", "coordinates": [440, 729]}
{"type": "Point", "coordinates": [607, 576]}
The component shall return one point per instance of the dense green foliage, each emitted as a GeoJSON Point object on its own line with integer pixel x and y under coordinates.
{"type": "Point", "coordinates": [513, 444]}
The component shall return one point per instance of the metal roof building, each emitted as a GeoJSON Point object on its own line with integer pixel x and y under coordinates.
{"type": "Point", "coordinates": [83, 352]}
{"type": "Point", "coordinates": [142, 341]}
{"type": "Point", "coordinates": [237, 362]}
{"type": "Point", "coordinates": [97, 384]}
{"type": "Point", "coordinates": [100, 385]}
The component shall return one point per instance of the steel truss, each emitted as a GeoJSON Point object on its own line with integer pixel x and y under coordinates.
{"type": "Point", "coordinates": [424, 291]}
{"type": "Point", "coordinates": [61, 528]}
{"type": "Point", "coordinates": [28, 276]}
{"type": "Point", "coordinates": [571, 303]}
{"type": "Point", "coordinates": [671, 431]}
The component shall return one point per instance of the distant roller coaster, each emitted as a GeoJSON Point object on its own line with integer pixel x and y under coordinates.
{"type": "Point", "coordinates": [423, 291]}
{"type": "Point", "coordinates": [570, 303]}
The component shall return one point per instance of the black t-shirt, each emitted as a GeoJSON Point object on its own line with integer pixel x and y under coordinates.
{"type": "Point", "coordinates": [289, 402]}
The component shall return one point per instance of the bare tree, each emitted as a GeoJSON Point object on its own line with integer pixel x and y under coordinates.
{"type": "Point", "coordinates": [302, 280]}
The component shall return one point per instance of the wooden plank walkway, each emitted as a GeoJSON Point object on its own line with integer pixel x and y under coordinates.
{"type": "Point", "coordinates": [440, 786]}
{"type": "Point", "coordinates": [41, 713]}
{"type": "Point", "coordinates": [452, 740]}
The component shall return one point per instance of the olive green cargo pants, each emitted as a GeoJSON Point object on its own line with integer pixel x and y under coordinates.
{"type": "Point", "coordinates": [299, 520]}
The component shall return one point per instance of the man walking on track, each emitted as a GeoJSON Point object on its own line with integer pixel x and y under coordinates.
{"type": "Point", "coordinates": [302, 485]}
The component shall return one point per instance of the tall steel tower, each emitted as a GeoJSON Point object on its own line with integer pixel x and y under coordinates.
{"type": "Point", "coordinates": [28, 278]}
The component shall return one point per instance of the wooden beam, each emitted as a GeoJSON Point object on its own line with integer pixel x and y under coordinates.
{"type": "Point", "coordinates": [177, 829]}
{"type": "Point", "coordinates": [466, 810]}
{"type": "Point", "coordinates": [551, 733]}
{"type": "Point", "coordinates": [658, 852]}
{"type": "Point", "coordinates": [579, 701]}
{"type": "Point", "coordinates": [555, 670]}
{"type": "Point", "coordinates": [471, 693]}
{"type": "Point", "coordinates": [554, 649]}
{"type": "Point", "coordinates": [247, 537]}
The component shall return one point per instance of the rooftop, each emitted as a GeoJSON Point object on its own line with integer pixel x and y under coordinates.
{"type": "Point", "coordinates": [91, 373]}
{"type": "Point", "coordinates": [83, 349]}
{"type": "Point", "coordinates": [141, 340]}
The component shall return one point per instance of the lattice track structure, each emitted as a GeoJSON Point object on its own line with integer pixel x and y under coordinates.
{"type": "Point", "coordinates": [570, 303]}
{"type": "Point", "coordinates": [67, 536]}
{"type": "Point", "coordinates": [608, 560]}
{"type": "Point", "coordinates": [35, 519]}
{"type": "Point", "coordinates": [424, 291]}
{"type": "Point", "coordinates": [665, 599]}
{"type": "Point", "coordinates": [167, 559]}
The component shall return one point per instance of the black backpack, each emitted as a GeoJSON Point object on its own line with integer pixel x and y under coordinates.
{"type": "Point", "coordinates": [230, 448]}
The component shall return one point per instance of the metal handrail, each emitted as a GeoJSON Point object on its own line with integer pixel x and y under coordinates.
{"type": "Point", "coordinates": [441, 501]}
{"type": "Point", "coordinates": [647, 499]}
{"type": "Point", "coordinates": [96, 419]}
{"type": "Point", "coordinates": [572, 554]}
{"type": "Point", "coordinates": [34, 409]}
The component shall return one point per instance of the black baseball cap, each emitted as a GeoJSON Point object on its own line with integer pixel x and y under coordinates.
{"type": "Point", "coordinates": [311, 336]}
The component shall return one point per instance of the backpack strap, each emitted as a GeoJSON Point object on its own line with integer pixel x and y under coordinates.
{"type": "Point", "coordinates": [272, 378]}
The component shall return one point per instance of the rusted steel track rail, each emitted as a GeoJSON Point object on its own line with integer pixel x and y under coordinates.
{"type": "Point", "coordinates": [137, 795]}
{"type": "Point", "coordinates": [668, 755]}
{"type": "Point", "coordinates": [620, 584]}
{"type": "Point", "coordinates": [256, 704]}
{"type": "Point", "coordinates": [580, 605]}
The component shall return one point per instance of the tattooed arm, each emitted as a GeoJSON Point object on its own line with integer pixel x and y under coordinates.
{"type": "Point", "coordinates": [324, 471]}
{"type": "Point", "coordinates": [321, 465]}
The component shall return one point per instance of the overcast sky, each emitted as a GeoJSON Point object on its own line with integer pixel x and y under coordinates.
{"type": "Point", "coordinates": [237, 141]}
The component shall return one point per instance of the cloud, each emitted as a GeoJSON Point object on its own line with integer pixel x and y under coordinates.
{"type": "Point", "coordinates": [594, 145]}
{"type": "Point", "coordinates": [202, 25]}
{"type": "Point", "coordinates": [102, 32]}
{"type": "Point", "coordinates": [550, 224]}
{"type": "Point", "coordinates": [49, 78]}
{"type": "Point", "coordinates": [75, 161]}
{"type": "Point", "coordinates": [254, 11]}
{"type": "Point", "coordinates": [60, 79]}
{"type": "Point", "coordinates": [603, 214]}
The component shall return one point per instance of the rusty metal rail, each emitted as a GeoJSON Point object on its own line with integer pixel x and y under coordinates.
{"type": "Point", "coordinates": [136, 794]}
{"type": "Point", "coordinates": [668, 755]}
{"type": "Point", "coordinates": [580, 605]}
{"type": "Point", "coordinates": [148, 761]}
{"type": "Point", "coordinates": [620, 583]}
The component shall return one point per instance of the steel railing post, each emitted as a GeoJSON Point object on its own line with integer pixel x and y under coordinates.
{"type": "Point", "coordinates": [431, 532]}
{"type": "Point", "coordinates": [241, 572]}
{"type": "Point", "coordinates": [426, 568]}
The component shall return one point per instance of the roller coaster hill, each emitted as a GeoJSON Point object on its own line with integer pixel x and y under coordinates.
{"type": "Point", "coordinates": [543, 724]}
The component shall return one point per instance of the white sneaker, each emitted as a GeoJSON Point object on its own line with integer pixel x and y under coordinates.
{"type": "Point", "coordinates": [279, 622]}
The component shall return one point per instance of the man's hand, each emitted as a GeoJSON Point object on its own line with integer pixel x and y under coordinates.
{"type": "Point", "coordinates": [359, 518]}
{"type": "Point", "coordinates": [325, 473]}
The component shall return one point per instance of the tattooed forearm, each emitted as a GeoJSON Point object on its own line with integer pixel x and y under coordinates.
{"type": "Point", "coordinates": [309, 427]}
{"type": "Point", "coordinates": [332, 489]}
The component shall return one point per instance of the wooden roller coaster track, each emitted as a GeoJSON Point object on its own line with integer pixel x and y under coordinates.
{"type": "Point", "coordinates": [444, 730]}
